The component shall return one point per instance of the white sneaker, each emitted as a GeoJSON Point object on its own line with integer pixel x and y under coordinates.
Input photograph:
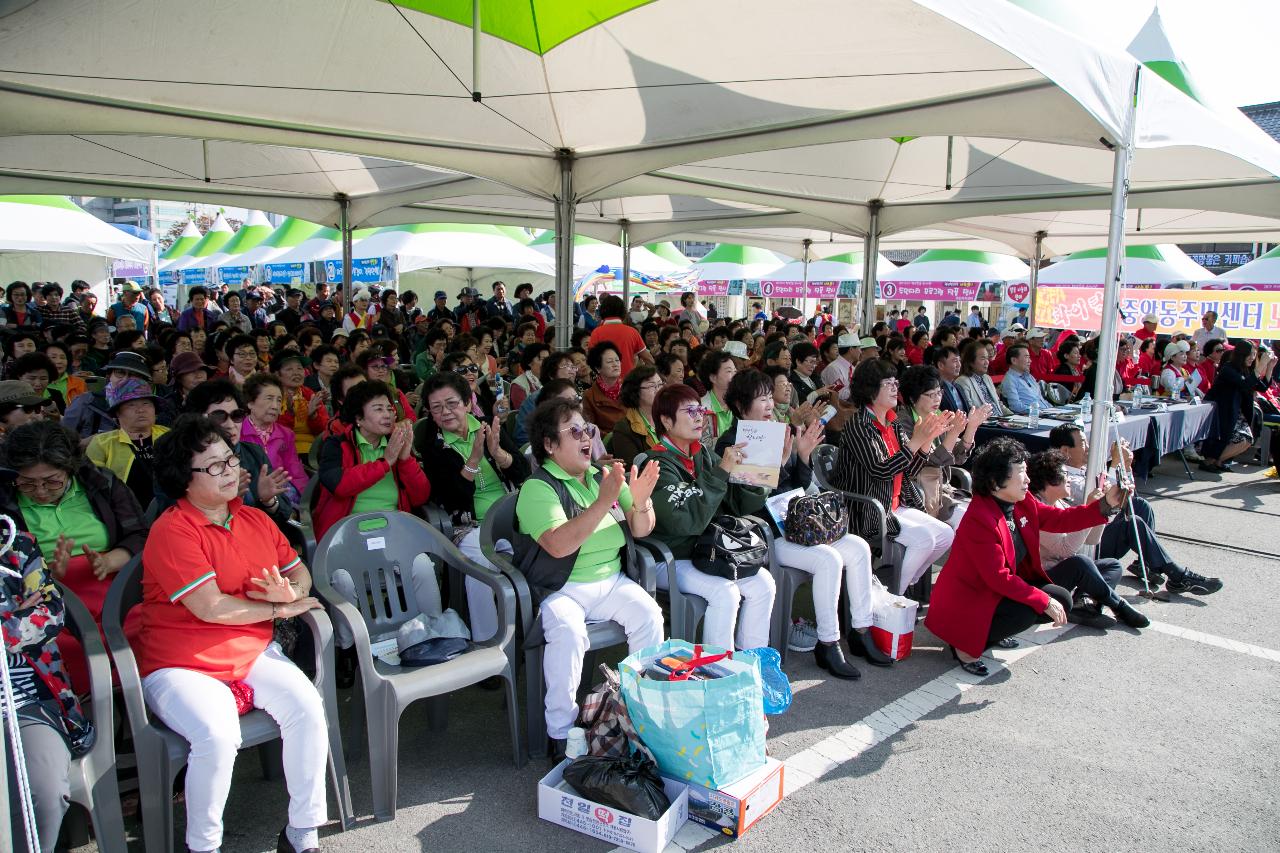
{"type": "Point", "coordinates": [803, 637]}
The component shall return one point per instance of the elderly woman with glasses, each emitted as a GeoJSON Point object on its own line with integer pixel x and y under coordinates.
{"type": "Point", "coordinates": [845, 563]}
{"type": "Point", "coordinates": [216, 576]}
{"type": "Point", "coordinates": [573, 547]}
{"type": "Point", "coordinates": [694, 488]}
{"type": "Point", "coordinates": [878, 458]}
{"type": "Point", "coordinates": [264, 399]}
{"type": "Point", "coordinates": [483, 402]}
{"type": "Point", "coordinates": [634, 432]}
{"type": "Point", "coordinates": [85, 519]}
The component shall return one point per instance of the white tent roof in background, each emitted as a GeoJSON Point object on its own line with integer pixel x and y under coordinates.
{"type": "Point", "coordinates": [1162, 265]}
{"type": "Point", "coordinates": [255, 228]}
{"type": "Point", "coordinates": [56, 224]}
{"type": "Point", "coordinates": [432, 246]}
{"type": "Point", "coordinates": [590, 255]}
{"type": "Point", "coordinates": [320, 245]}
{"type": "Point", "coordinates": [728, 262]}
{"type": "Point", "coordinates": [1264, 270]}
{"type": "Point", "coordinates": [214, 239]}
{"type": "Point", "coordinates": [290, 234]}
{"type": "Point", "coordinates": [959, 265]}
{"type": "Point", "coordinates": [846, 267]}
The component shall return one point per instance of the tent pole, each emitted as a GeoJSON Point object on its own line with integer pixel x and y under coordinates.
{"type": "Point", "coordinates": [626, 268]}
{"type": "Point", "coordinates": [804, 287]}
{"type": "Point", "coordinates": [1034, 279]}
{"type": "Point", "coordinates": [870, 248]}
{"type": "Point", "coordinates": [475, 50]}
{"type": "Point", "coordinates": [1100, 428]}
{"type": "Point", "coordinates": [564, 251]}
{"type": "Point", "coordinates": [344, 225]}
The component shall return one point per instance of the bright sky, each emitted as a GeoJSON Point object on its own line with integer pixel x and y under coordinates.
{"type": "Point", "coordinates": [1228, 46]}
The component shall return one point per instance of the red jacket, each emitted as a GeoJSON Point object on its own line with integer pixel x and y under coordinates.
{"type": "Point", "coordinates": [981, 570]}
{"type": "Point", "coordinates": [343, 476]}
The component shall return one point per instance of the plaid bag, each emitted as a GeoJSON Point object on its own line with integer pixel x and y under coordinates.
{"type": "Point", "coordinates": [604, 717]}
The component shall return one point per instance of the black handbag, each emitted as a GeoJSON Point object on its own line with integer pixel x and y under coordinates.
{"type": "Point", "coordinates": [816, 519]}
{"type": "Point", "coordinates": [730, 548]}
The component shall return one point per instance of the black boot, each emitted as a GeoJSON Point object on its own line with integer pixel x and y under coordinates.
{"type": "Point", "coordinates": [861, 645]}
{"type": "Point", "coordinates": [830, 657]}
{"type": "Point", "coordinates": [1129, 615]}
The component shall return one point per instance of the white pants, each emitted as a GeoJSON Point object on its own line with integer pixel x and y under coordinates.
{"type": "Point", "coordinates": [849, 557]}
{"type": "Point", "coordinates": [202, 710]}
{"type": "Point", "coordinates": [925, 538]}
{"type": "Point", "coordinates": [426, 592]}
{"type": "Point", "coordinates": [565, 614]}
{"type": "Point", "coordinates": [724, 597]}
{"type": "Point", "coordinates": [481, 604]}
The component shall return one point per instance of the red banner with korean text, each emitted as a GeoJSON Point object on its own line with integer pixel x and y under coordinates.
{"type": "Point", "coordinates": [1241, 313]}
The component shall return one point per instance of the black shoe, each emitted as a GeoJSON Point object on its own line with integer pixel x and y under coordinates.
{"type": "Point", "coordinates": [1009, 643]}
{"type": "Point", "coordinates": [1154, 578]}
{"type": "Point", "coordinates": [973, 667]}
{"type": "Point", "coordinates": [1086, 611]}
{"type": "Point", "coordinates": [344, 676]}
{"type": "Point", "coordinates": [555, 749]}
{"type": "Point", "coordinates": [284, 845]}
{"type": "Point", "coordinates": [1130, 616]}
{"type": "Point", "coordinates": [862, 646]}
{"type": "Point", "coordinates": [1213, 467]}
{"type": "Point", "coordinates": [830, 657]}
{"type": "Point", "coordinates": [1194, 583]}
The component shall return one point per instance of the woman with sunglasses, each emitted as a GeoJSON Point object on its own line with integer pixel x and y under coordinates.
{"type": "Point", "coordinates": [594, 586]}
{"type": "Point", "coordinates": [693, 488]}
{"type": "Point", "coordinates": [877, 458]}
{"type": "Point", "coordinates": [844, 563]}
{"type": "Point", "coordinates": [218, 575]}
{"type": "Point", "coordinates": [634, 433]}
{"type": "Point", "coordinates": [556, 365]}
{"type": "Point", "coordinates": [483, 402]}
{"type": "Point", "coordinates": [380, 368]}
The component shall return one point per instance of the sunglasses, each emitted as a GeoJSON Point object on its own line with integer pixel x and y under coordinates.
{"type": "Point", "coordinates": [468, 369]}
{"type": "Point", "coordinates": [380, 363]}
{"type": "Point", "coordinates": [695, 413]}
{"type": "Point", "coordinates": [220, 417]}
{"type": "Point", "coordinates": [578, 433]}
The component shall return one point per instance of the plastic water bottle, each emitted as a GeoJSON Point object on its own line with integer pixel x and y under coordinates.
{"type": "Point", "coordinates": [1086, 404]}
{"type": "Point", "coordinates": [575, 744]}
{"type": "Point", "coordinates": [1033, 414]}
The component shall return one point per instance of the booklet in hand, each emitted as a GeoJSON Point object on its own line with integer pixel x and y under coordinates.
{"type": "Point", "coordinates": [763, 453]}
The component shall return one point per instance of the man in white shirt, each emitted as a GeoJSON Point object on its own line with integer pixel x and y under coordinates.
{"type": "Point", "coordinates": [841, 369]}
{"type": "Point", "coordinates": [1019, 388]}
{"type": "Point", "coordinates": [1208, 331]}
{"type": "Point", "coordinates": [975, 318]}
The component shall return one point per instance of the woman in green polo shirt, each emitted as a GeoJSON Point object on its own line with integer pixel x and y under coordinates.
{"type": "Point", "coordinates": [595, 589]}
{"type": "Point", "coordinates": [716, 371]}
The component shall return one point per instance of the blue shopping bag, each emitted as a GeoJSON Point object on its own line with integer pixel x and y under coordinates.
{"type": "Point", "coordinates": [710, 732]}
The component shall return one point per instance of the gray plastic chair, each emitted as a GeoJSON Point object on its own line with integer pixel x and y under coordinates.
{"type": "Point", "coordinates": [374, 557]}
{"type": "Point", "coordinates": [886, 553]}
{"type": "Point", "coordinates": [162, 753]}
{"type": "Point", "coordinates": [305, 504]}
{"type": "Point", "coordinates": [499, 524]}
{"type": "Point", "coordinates": [93, 776]}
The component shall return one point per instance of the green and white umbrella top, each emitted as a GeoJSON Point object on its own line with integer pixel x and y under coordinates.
{"type": "Point", "coordinates": [732, 262]}
{"type": "Point", "coordinates": [253, 231]}
{"type": "Point", "coordinates": [186, 241]}
{"type": "Point", "coordinates": [290, 234]}
{"type": "Point", "coordinates": [1161, 265]}
{"type": "Point", "coordinates": [959, 265]}
{"type": "Point", "coordinates": [218, 235]}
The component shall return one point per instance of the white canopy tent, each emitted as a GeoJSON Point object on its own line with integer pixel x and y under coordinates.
{"type": "Point", "coordinates": [477, 247]}
{"type": "Point", "coordinates": [289, 234]}
{"type": "Point", "coordinates": [252, 231]}
{"type": "Point", "coordinates": [55, 224]}
{"type": "Point", "coordinates": [1145, 266]}
{"type": "Point", "coordinates": [213, 240]}
{"type": "Point", "coordinates": [590, 254]}
{"type": "Point", "coordinates": [947, 265]}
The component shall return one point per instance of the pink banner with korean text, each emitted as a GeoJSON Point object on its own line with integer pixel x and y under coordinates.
{"type": "Point", "coordinates": [714, 287]}
{"type": "Point", "coordinates": [1241, 313]}
{"type": "Point", "coordinates": [941, 291]}
{"type": "Point", "coordinates": [802, 290]}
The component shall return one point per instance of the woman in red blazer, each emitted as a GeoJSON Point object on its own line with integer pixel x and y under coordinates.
{"type": "Point", "coordinates": [993, 585]}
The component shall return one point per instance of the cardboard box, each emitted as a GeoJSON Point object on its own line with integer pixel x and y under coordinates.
{"type": "Point", "coordinates": [559, 803]}
{"type": "Point", "coordinates": [734, 809]}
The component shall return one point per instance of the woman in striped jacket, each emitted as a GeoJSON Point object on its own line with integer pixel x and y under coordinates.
{"type": "Point", "coordinates": [877, 458]}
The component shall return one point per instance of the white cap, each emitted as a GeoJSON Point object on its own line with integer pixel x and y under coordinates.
{"type": "Point", "coordinates": [1017, 327]}
{"type": "Point", "coordinates": [1176, 347]}
{"type": "Point", "coordinates": [737, 349]}
{"type": "Point", "coordinates": [1035, 333]}
{"type": "Point", "coordinates": [1150, 318]}
{"type": "Point", "coordinates": [847, 340]}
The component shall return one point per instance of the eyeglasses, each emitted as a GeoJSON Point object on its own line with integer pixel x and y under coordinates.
{"type": "Point", "coordinates": [578, 433]}
{"type": "Point", "coordinates": [653, 386]}
{"type": "Point", "coordinates": [889, 383]}
{"type": "Point", "coordinates": [695, 413]}
{"type": "Point", "coordinates": [220, 417]}
{"type": "Point", "coordinates": [444, 406]}
{"type": "Point", "coordinates": [469, 369]}
{"type": "Point", "coordinates": [380, 364]}
{"type": "Point", "coordinates": [48, 484]}
{"type": "Point", "coordinates": [217, 469]}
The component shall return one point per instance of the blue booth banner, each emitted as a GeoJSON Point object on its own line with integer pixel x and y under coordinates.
{"type": "Point", "coordinates": [232, 276]}
{"type": "Point", "coordinates": [363, 270]}
{"type": "Point", "coordinates": [295, 273]}
{"type": "Point", "coordinates": [195, 276]}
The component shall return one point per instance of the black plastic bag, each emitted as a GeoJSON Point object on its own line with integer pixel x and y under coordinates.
{"type": "Point", "coordinates": [433, 651]}
{"type": "Point", "coordinates": [626, 784]}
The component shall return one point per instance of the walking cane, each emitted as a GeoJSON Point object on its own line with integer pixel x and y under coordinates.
{"type": "Point", "coordinates": [1126, 477]}
{"type": "Point", "coordinates": [10, 712]}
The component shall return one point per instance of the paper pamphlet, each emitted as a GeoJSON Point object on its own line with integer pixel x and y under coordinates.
{"type": "Point", "coordinates": [763, 460]}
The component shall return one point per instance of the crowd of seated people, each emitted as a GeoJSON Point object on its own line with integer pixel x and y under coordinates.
{"type": "Point", "coordinates": [199, 438]}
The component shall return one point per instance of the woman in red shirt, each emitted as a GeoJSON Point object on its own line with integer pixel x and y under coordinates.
{"type": "Point", "coordinates": [993, 585]}
{"type": "Point", "coordinates": [217, 574]}
{"type": "Point", "coordinates": [1207, 369]}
